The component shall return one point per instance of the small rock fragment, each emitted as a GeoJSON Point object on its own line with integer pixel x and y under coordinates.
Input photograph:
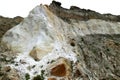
{"type": "Point", "coordinates": [51, 78]}
{"type": "Point", "coordinates": [7, 68]}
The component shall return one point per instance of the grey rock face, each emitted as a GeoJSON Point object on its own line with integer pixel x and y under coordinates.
{"type": "Point", "coordinates": [100, 54]}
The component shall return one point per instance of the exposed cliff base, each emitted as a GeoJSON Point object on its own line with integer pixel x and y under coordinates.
{"type": "Point", "coordinates": [98, 53]}
{"type": "Point", "coordinates": [54, 43]}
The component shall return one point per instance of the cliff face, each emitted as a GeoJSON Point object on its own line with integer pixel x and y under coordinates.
{"type": "Point", "coordinates": [7, 23]}
{"type": "Point", "coordinates": [80, 14]}
{"type": "Point", "coordinates": [54, 43]}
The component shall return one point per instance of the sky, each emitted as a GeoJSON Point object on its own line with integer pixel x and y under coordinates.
{"type": "Point", "coordinates": [12, 8]}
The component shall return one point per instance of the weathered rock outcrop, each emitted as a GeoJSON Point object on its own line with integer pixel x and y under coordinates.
{"type": "Point", "coordinates": [7, 23]}
{"type": "Point", "coordinates": [54, 43]}
{"type": "Point", "coordinates": [80, 14]}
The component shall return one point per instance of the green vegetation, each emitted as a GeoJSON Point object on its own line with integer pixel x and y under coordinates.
{"type": "Point", "coordinates": [52, 61]}
{"type": "Point", "coordinates": [39, 77]}
{"type": "Point", "coordinates": [0, 66]}
{"type": "Point", "coordinates": [27, 76]}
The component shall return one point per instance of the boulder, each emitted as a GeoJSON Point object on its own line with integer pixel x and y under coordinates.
{"type": "Point", "coordinates": [37, 53]}
{"type": "Point", "coordinates": [60, 68]}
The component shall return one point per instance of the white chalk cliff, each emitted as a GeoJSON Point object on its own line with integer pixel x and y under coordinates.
{"type": "Point", "coordinates": [45, 40]}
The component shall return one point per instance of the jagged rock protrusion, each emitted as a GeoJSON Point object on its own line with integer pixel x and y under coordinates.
{"type": "Point", "coordinates": [80, 14]}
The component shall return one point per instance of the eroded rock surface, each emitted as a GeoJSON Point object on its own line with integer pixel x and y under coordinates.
{"type": "Point", "coordinates": [60, 68]}
{"type": "Point", "coordinates": [8, 23]}
{"type": "Point", "coordinates": [54, 43]}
